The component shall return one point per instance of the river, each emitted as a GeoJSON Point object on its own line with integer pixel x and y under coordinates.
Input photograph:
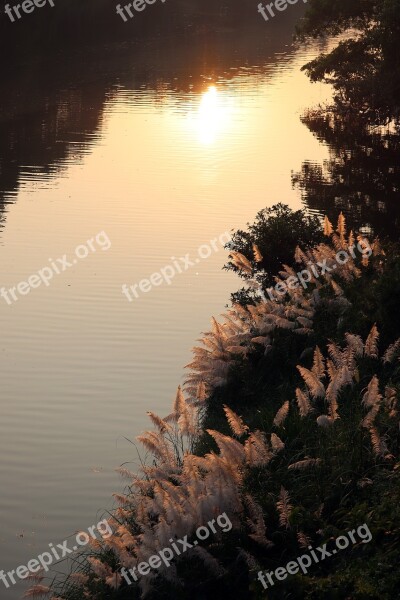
{"type": "Point", "coordinates": [160, 149]}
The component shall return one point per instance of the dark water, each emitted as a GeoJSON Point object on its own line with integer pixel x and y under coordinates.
{"type": "Point", "coordinates": [162, 145]}
{"type": "Point", "coordinates": [360, 178]}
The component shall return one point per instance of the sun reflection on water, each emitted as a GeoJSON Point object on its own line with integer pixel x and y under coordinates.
{"type": "Point", "coordinates": [212, 117]}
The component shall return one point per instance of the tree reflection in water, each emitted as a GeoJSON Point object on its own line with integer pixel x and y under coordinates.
{"type": "Point", "coordinates": [361, 177]}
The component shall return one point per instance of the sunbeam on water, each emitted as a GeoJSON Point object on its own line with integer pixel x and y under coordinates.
{"type": "Point", "coordinates": [213, 116]}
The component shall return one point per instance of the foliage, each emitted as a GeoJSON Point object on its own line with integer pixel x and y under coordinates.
{"type": "Point", "coordinates": [289, 423]}
{"type": "Point", "coordinates": [275, 232]}
{"type": "Point", "coordinates": [364, 67]}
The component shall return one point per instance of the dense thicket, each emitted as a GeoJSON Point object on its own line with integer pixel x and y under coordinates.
{"type": "Point", "coordinates": [364, 68]}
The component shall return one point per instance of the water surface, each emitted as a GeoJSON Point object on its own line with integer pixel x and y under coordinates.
{"type": "Point", "coordinates": [163, 150]}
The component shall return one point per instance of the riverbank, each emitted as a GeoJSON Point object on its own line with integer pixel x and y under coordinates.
{"type": "Point", "coordinates": [289, 426]}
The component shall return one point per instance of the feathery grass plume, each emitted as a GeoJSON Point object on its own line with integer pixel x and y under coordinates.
{"type": "Point", "coordinates": [281, 414]}
{"type": "Point", "coordinates": [341, 378]}
{"type": "Point", "coordinates": [154, 443]}
{"type": "Point", "coordinates": [256, 522]}
{"type": "Point", "coordinates": [377, 248]}
{"type": "Point", "coordinates": [369, 419]}
{"type": "Point", "coordinates": [158, 422]}
{"type": "Point", "coordinates": [303, 403]}
{"type": "Point", "coordinates": [256, 449]}
{"type": "Point", "coordinates": [179, 404]}
{"type": "Point", "coordinates": [264, 340]}
{"type": "Point", "coordinates": [201, 394]}
{"type": "Point", "coordinates": [235, 422]}
{"type": "Point", "coordinates": [391, 352]}
{"type": "Point", "coordinates": [318, 367]}
{"type": "Point", "coordinates": [325, 421]}
{"type": "Point", "coordinates": [303, 539]}
{"type": "Point", "coordinates": [355, 343]}
{"type": "Point", "coordinates": [351, 239]}
{"type": "Point", "coordinates": [145, 486]}
{"type": "Point", "coordinates": [257, 254]}
{"type": "Point", "coordinates": [179, 407]}
{"type": "Point", "coordinates": [238, 349]}
{"type": "Point", "coordinates": [123, 500]}
{"type": "Point", "coordinates": [212, 364]}
{"type": "Point", "coordinates": [372, 395]}
{"type": "Point", "coordinates": [229, 448]}
{"type": "Point", "coordinates": [303, 331]}
{"type": "Point", "coordinates": [378, 444]}
{"type": "Point", "coordinates": [283, 323]}
{"type": "Point", "coordinates": [331, 368]}
{"type": "Point", "coordinates": [126, 473]}
{"type": "Point", "coordinates": [391, 401]}
{"type": "Point", "coordinates": [307, 323]}
{"type": "Point", "coordinates": [276, 443]}
{"type": "Point", "coordinates": [165, 490]}
{"type": "Point", "coordinates": [304, 309]}
{"type": "Point", "coordinates": [338, 242]}
{"type": "Point", "coordinates": [94, 543]}
{"type": "Point", "coordinates": [304, 464]}
{"type": "Point", "coordinates": [349, 357]}
{"type": "Point", "coordinates": [127, 538]}
{"type": "Point", "coordinates": [300, 256]}
{"type": "Point", "coordinates": [328, 227]}
{"type": "Point", "coordinates": [172, 511]}
{"type": "Point", "coordinates": [241, 262]}
{"type": "Point", "coordinates": [341, 227]}
{"type": "Point", "coordinates": [187, 421]}
{"type": "Point", "coordinates": [284, 508]}
{"type": "Point", "coordinates": [99, 568]}
{"type": "Point", "coordinates": [287, 272]}
{"type": "Point", "coordinates": [390, 393]}
{"type": "Point", "coordinates": [114, 581]}
{"type": "Point", "coordinates": [336, 354]}
{"type": "Point", "coordinates": [218, 332]}
{"type": "Point", "coordinates": [36, 591]}
{"type": "Point", "coordinates": [79, 578]}
{"type": "Point", "coordinates": [317, 389]}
